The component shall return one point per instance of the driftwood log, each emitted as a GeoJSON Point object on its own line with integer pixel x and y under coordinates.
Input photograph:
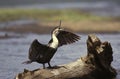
{"type": "Point", "coordinates": [96, 65]}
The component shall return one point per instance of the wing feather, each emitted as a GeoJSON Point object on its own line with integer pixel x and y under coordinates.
{"type": "Point", "coordinates": [66, 37]}
{"type": "Point", "coordinates": [36, 50]}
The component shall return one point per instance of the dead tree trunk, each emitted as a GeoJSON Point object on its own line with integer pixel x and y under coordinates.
{"type": "Point", "coordinates": [96, 65]}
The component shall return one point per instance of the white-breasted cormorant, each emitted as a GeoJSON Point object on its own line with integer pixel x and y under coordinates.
{"type": "Point", "coordinates": [43, 53]}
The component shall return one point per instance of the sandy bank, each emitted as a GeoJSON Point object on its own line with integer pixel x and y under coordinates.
{"type": "Point", "coordinates": [79, 26]}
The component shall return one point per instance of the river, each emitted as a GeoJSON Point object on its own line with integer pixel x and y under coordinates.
{"type": "Point", "coordinates": [13, 51]}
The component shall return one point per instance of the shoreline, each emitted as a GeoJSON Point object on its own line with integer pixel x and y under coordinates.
{"type": "Point", "coordinates": [45, 27]}
{"type": "Point", "coordinates": [84, 27]}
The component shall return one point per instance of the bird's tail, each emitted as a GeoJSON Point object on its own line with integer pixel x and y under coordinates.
{"type": "Point", "coordinates": [27, 62]}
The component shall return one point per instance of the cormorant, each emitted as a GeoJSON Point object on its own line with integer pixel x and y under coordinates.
{"type": "Point", "coordinates": [43, 53]}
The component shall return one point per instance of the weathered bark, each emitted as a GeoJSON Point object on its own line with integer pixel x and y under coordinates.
{"type": "Point", "coordinates": [96, 65]}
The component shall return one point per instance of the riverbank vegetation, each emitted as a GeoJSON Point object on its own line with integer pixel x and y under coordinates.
{"type": "Point", "coordinates": [50, 15]}
{"type": "Point", "coordinates": [75, 20]}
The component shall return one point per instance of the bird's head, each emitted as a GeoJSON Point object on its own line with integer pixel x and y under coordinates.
{"type": "Point", "coordinates": [57, 29]}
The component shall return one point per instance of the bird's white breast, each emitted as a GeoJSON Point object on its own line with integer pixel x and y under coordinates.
{"type": "Point", "coordinates": [54, 45]}
{"type": "Point", "coordinates": [55, 42]}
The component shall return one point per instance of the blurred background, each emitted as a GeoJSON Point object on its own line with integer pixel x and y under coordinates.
{"type": "Point", "coordinates": [22, 21]}
{"type": "Point", "coordinates": [84, 15]}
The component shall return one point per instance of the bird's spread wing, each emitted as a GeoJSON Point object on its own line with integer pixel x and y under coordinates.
{"type": "Point", "coordinates": [66, 37]}
{"type": "Point", "coordinates": [36, 50]}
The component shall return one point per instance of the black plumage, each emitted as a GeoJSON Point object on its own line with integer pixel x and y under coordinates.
{"type": "Point", "coordinates": [43, 53]}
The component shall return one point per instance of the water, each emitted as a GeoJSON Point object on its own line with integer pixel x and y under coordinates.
{"type": "Point", "coordinates": [14, 51]}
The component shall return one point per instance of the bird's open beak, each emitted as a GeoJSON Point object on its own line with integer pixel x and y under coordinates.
{"type": "Point", "coordinates": [60, 26]}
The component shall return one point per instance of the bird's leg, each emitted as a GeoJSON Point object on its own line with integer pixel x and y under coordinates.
{"type": "Point", "coordinates": [43, 65]}
{"type": "Point", "coordinates": [49, 65]}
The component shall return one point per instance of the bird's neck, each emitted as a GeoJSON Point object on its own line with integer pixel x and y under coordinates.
{"type": "Point", "coordinates": [55, 42]}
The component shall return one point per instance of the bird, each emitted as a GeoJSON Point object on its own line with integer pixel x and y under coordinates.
{"type": "Point", "coordinates": [43, 53]}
